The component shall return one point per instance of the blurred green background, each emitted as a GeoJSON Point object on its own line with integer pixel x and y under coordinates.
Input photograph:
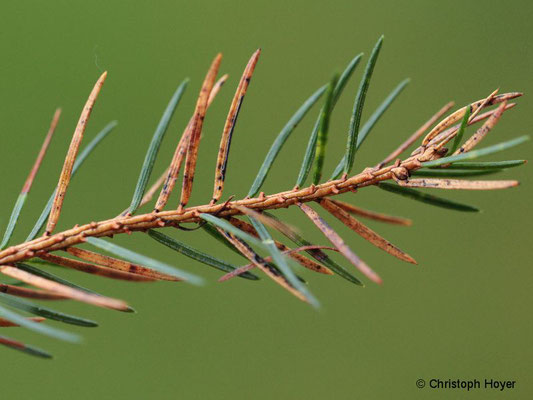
{"type": "Point", "coordinates": [462, 313]}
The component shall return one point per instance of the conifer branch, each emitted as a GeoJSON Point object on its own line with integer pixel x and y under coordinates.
{"type": "Point", "coordinates": [251, 238]}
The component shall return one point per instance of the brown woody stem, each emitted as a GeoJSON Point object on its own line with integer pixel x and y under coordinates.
{"type": "Point", "coordinates": [123, 224]}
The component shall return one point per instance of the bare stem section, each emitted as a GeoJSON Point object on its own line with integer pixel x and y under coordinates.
{"type": "Point", "coordinates": [144, 222]}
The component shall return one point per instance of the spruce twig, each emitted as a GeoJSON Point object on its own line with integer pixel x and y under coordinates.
{"type": "Point", "coordinates": [224, 220]}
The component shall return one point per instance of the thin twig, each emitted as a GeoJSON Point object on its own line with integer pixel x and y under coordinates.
{"type": "Point", "coordinates": [284, 199]}
{"type": "Point", "coordinates": [142, 222]}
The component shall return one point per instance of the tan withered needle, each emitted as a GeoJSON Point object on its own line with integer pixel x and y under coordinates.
{"type": "Point", "coordinates": [267, 220]}
{"type": "Point", "coordinates": [372, 214]}
{"type": "Point", "coordinates": [445, 136]}
{"type": "Point", "coordinates": [196, 131]}
{"type": "Point", "coordinates": [63, 290]}
{"type": "Point", "coordinates": [255, 259]}
{"type": "Point", "coordinates": [4, 323]}
{"type": "Point", "coordinates": [229, 127]}
{"type": "Point", "coordinates": [14, 344]}
{"type": "Point", "coordinates": [216, 88]}
{"type": "Point", "coordinates": [489, 98]}
{"type": "Point", "coordinates": [457, 115]}
{"type": "Point", "coordinates": [281, 227]}
{"type": "Point", "coordinates": [472, 117]}
{"type": "Point", "coordinates": [414, 137]}
{"type": "Point", "coordinates": [119, 265]}
{"type": "Point", "coordinates": [29, 181]}
{"type": "Point", "coordinates": [301, 259]}
{"type": "Point", "coordinates": [29, 293]}
{"type": "Point", "coordinates": [483, 131]}
{"type": "Point", "coordinates": [457, 184]}
{"type": "Point", "coordinates": [337, 241]}
{"type": "Point", "coordinates": [94, 269]}
{"type": "Point", "coordinates": [170, 176]}
{"type": "Point", "coordinates": [364, 231]}
{"type": "Point", "coordinates": [287, 251]}
{"type": "Point", "coordinates": [66, 172]}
